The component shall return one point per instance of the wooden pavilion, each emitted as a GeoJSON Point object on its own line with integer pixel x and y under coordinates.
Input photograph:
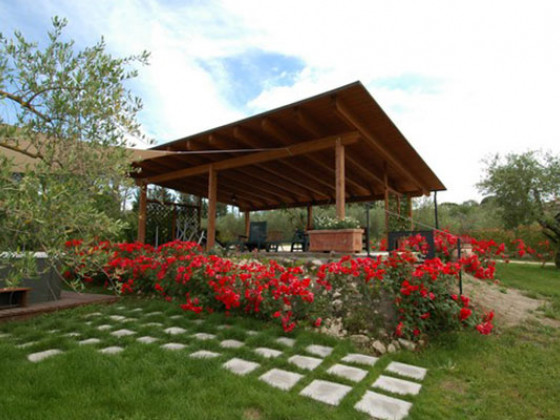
{"type": "Point", "coordinates": [334, 148]}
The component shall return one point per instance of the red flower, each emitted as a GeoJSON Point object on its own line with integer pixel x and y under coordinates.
{"type": "Point", "coordinates": [425, 316]}
{"type": "Point", "coordinates": [318, 322]}
{"type": "Point", "coordinates": [399, 331]}
{"type": "Point", "coordinates": [464, 314]}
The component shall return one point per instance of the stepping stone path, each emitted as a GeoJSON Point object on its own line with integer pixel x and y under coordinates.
{"type": "Point", "coordinates": [325, 391]}
{"type": "Point", "coordinates": [146, 339]}
{"type": "Point", "coordinates": [268, 353]}
{"type": "Point", "coordinates": [240, 366]}
{"type": "Point", "coordinates": [37, 357]}
{"type": "Point", "coordinates": [305, 362]}
{"type": "Point", "coordinates": [111, 350]}
{"type": "Point", "coordinates": [173, 346]}
{"type": "Point", "coordinates": [282, 379]}
{"type": "Point", "coordinates": [175, 330]}
{"type": "Point", "coordinates": [352, 368]}
{"type": "Point", "coordinates": [204, 354]}
{"type": "Point", "coordinates": [231, 344]}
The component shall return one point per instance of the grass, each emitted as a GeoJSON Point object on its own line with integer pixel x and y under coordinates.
{"type": "Point", "coordinates": [514, 373]}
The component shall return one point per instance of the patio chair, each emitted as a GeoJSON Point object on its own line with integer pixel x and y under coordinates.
{"type": "Point", "coordinates": [300, 241]}
{"type": "Point", "coordinates": [257, 237]}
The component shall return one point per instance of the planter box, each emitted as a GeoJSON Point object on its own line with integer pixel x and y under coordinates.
{"type": "Point", "coordinates": [13, 297]}
{"type": "Point", "coordinates": [341, 240]}
{"type": "Point", "coordinates": [45, 287]}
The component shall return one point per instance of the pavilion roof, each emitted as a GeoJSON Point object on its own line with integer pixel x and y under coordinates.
{"type": "Point", "coordinates": [286, 157]}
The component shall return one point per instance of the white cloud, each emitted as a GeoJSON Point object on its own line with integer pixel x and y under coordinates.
{"type": "Point", "coordinates": [496, 62]}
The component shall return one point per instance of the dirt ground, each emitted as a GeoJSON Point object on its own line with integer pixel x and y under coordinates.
{"type": "Point", "coordinates": [510, 306]}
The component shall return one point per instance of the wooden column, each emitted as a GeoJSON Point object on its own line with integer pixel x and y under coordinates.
{"type": "Point", "coordinates": [212, 201]}
{"type": "Point", "coordinates": [386, 193]}
{"type": "Point", "coordinates": [340, 181]}
{"type": "Point", "coordinates": [199, 217]}
{"type": "Point", "coordinates": [142, 204]}
{"type": "Point", "coordinates": [409, 205]}
{"type": "Point", "coordinates": [247, 223]}
{"type": "Point", "coordinates": [309, 224]}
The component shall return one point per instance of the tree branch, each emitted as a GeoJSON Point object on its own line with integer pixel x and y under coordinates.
{"type": "Point", "coordinates": [25, 104]}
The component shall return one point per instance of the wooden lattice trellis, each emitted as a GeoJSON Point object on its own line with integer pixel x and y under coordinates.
{"type": "Point", "coordinates": [169, 221]}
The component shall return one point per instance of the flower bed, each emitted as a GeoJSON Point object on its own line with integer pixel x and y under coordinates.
{"type": "Point", "coordinates": [179, 272]}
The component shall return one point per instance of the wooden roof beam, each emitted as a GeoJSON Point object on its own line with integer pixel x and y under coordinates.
{"type": "Point", "coordinates": [261, 157]}
{"type": "Point", "coordinates": [347, 115]}
{"type": "Point", "coordinates": [279, 133]}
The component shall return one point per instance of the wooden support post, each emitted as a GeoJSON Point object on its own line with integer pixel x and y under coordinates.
{"type": "Point", "coordinates": [309, 224]}
{"type": "Point", "coordinates": [409, 206]}
{"type": "Point", "coordinates": [340, 181]}
{"type": "Point", "coordinates": [212, 201]}
{"type": "Point", "coordinates": [247, 223]}
{"type": "Point", "coordinates": [199, 216]}
{"type": "Point", "coordinates": [386, 193]}
{"type": "Point", "coordinates": [398, 197]}
{"type": "Point", "coordinates": [142, 205]}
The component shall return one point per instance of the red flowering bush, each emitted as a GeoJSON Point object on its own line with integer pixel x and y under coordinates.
{"type": "Point", "coordinates": [180, 272]}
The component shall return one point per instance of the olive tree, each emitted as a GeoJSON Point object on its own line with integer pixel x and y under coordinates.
{"type": "Point", "coordinates": [68, 113]}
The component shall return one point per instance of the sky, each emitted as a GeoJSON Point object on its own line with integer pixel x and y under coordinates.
{"type": "Point", "coordinates": [462, 80]}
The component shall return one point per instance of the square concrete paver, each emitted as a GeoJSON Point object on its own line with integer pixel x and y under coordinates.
{"type": "Point", "coordinates": [3, 335]}
{"type": "Point", "coordinates": [104, 327]}
{"type": "Point", "coordinates": [37, 357]}
{"type": "Point", "coordinates": [117, 317]}
{"type": "Point", "coordinates": [410, 371]}
{"type": "Point", "coordinates": [240, 366]}
{"type": "Point", "coordinates": [173, 346]}
{"type": "Point", "coordinates": [281, 379]}
{"type": "Point", "coordinates": [223, 327]}
{"type": "Point", "coordinates": [153, 324]}
{"type": "Point", "coordinates": [268, 353]}
{"type": "Point", "coordinates": [147, 339]}
{"type": "Point", "coordinates": [175, 330]}
{"type": "Point", "coordinates": [176, 317]}
{"type": "Point", "coordinates": [204, 336]}
{"type": "Point", "coordinates": [137, 310]}
{"type": "Point", "coordinates": [353, 374]}
{"type": "Point", "coordinates": [204, 354]}
{"type": "Point", "coordinates": [290, 342]}
{"type": "Point", "coordinates": [360, 359]}
{"type": "Point", "coordinates": [251, 332]}
{"type": "Point", "coordinates": [72, 334]}
{"type": "Point", "coordinates": [383, 407]}
{"type": "Point", "coordinates": [92, 314]}
{"type": "Point", "coordinates": [321, 351]}
{"type": "Point", "coordinates": [122, 333]}
{"type": "Point", "coordinates": [231, 344]}
{"type": "Point", "coordinates": [198, 321]}
{"type": "Point", "coordinates": [153, 313]}
{"type": "Point", "coordinates": [397, 386]}
{"type": "Point", "coordinates": [89, 341]}
{"type": "Point", "coordinates": [25, 345]}
{"type": "Point", "coordinates": [325, 391]}
{"type": "Point", "coordinates": [111, 350]}
{"type": "Point", "coordinates": [305, 362]}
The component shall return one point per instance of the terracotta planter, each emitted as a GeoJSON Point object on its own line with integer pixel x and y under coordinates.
{"type": "Point", "coordinates": [341, 240]}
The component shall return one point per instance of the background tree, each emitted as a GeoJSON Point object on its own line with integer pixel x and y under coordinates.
{"type": "Point", "coordinates": [71, 113]}
{"type": "Point", "coordinates": [522, 184]}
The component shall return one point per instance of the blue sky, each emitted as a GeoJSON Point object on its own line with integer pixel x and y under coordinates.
{"type": "Point", "coordinates": [462, 80]}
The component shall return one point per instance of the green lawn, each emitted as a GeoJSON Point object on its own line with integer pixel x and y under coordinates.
{"type": "Point", "coordinates": [513, 374]}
